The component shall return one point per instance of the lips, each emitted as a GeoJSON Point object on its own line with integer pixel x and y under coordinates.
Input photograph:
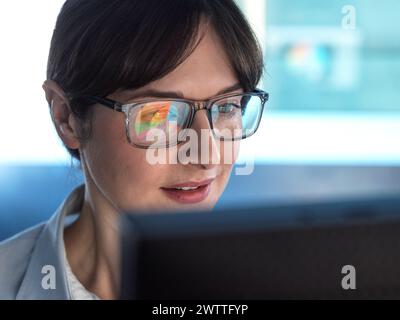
{"type": "Point", "coordinates": [189, 192]}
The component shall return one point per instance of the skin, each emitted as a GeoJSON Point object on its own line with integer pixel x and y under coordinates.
{"type": "Point", "coordinates": [114, 170]}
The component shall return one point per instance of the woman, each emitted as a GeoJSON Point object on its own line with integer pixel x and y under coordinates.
{"type": "Point", "coordinates": [116, 71]}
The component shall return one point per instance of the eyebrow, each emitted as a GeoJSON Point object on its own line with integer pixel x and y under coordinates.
{"type": "Point", "coordinates": [177, 94]}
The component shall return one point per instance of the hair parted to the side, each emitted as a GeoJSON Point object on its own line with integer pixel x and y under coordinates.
{"type": "Point", "coordinates": [100, 46]}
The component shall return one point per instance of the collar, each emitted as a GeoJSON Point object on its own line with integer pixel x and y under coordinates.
{"type": "Point", "coordinates": [49, 251]}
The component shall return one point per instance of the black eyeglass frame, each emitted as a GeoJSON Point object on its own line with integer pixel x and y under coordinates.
{"type": "Point", "coordinates": [195, 105]}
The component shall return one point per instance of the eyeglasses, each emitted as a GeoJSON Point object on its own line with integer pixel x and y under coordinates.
{"type": "Point", "coordinates": [231, 117]}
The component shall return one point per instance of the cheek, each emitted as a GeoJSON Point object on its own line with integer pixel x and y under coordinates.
{"type": "Point", "coordinates": [119, 171]}
{"type": "Point", "coordinates": [229, 152]}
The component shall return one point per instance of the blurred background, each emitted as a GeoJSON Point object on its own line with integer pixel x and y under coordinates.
{"type": "Point", "coordinates": [330, 131]}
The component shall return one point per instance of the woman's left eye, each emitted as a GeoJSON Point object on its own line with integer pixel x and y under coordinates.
{"type": "Point", "coordinates": [227, 108]}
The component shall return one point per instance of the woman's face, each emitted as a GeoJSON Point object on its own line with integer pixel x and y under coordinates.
{"type": "Point", "coordinates": [121, 174]}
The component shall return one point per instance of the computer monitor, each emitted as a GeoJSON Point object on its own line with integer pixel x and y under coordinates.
{"type": "Point", "coordinates": [336, 250]}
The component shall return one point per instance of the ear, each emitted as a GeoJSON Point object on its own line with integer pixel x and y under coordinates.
{"type": "Point", "coordinates": [61, 114]}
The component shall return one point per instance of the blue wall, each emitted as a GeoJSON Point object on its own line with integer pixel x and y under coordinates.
{"type": "Point", "coordinates": [29, 195]}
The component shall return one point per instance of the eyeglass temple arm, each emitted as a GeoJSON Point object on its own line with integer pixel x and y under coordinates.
{"type": "Point", "coordinates": [114, 105]}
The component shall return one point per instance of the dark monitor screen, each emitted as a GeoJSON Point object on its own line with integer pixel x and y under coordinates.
{"type": "Point", "coordinates": [342, 249]}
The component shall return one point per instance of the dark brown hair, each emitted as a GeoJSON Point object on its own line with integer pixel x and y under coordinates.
{"type": "Point", "coordinates": [100, 46]}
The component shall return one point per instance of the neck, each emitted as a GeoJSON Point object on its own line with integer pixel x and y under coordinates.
{"type": "Point", "coordinates": [91, 244]}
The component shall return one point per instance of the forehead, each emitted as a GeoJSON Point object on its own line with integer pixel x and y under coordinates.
{"type": "Point", "coordinates": [202, 75]}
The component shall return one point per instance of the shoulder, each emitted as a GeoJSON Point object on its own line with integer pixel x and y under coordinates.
{"type": "Point", "coordinates": [15, 254]}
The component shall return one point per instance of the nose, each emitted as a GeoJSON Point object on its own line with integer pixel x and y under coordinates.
{"type": "Point", "coordinates": [206, 148]}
